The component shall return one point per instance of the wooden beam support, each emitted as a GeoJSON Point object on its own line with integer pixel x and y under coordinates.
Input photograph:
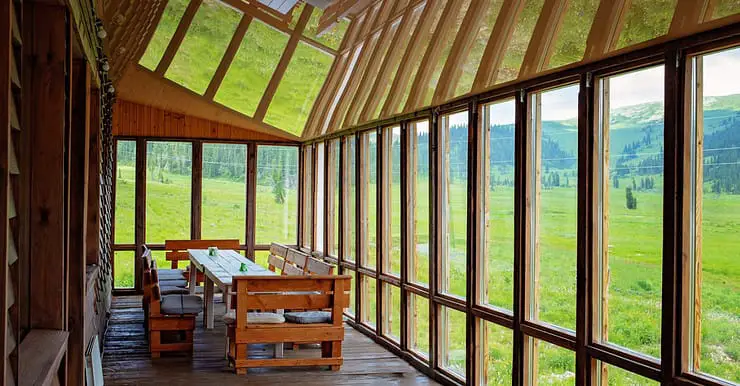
{"type": "Point", "coordinates": [251, 198]}
{"type": "Point", "coordinates": [139, 209]}
{"type": "Point", "coordinates": [196, 196]}
{"type": "Point", "coordinates": [497, 44]}
{"type": "Point", "coordinates": [279, 72]}
{"type": "Point", "coordinates": [606, 28]}
{"type": "Point", "coordinates": [177, 38]}
{"type": "Point", "coordinates": [545, 31]}
{"type": "Point", "coordinates": [94, 169]}
{"type": "Point", "coordinates": [228, 57]}
{"type": "Point", "coordinates": [340, 9]}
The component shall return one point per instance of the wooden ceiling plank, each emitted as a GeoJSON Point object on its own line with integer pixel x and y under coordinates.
{"type": "Point", "coordinates": [606, 28]}
{"type": "Point", "coordinates": [540, 45]}
{"type": "Point", "coordinates": [228, 58]}
{"type": "Point", "coordinates": [177, 38]}
{"type": "Point", "coordinates": [688, 15]}
{"type": "Point", "coordinates": [434, 50]}
{"type": "Point", "coordinates": [279, 72]}
{"type": "Point", "coordinates": [460, 50]}
{"type": "Point", "coordinates": [497, 44]}
{"type": "Point", "coordinates": [405, 68]}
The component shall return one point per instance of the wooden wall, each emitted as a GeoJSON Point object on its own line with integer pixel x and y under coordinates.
{"type": "Point", "coordinates": [132, 119]}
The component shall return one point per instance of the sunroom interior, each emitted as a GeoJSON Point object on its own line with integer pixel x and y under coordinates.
{"type": "Point", "coordinates": [516, 192]}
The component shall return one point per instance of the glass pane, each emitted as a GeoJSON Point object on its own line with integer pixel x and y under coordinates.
{"type": "Point", "coordinates": [161, 258]}
{"type": "Point", "coordinates": [276, 203]}
{"type": "Point", "coordinates": [519, 42]}
{"type": "Point", "coordinates": [498, 172]}
{"type": "Point", "coordinates": [475, 54]}
{"type": "Point", "coordinates": [298, 89]}
{"type": "Point", "coordinates": [332, 37]}
{"type": "Point", "coordinates": [631, 197]}
{"type": "Point", "coordinates": [419, 324]}
{"type": "Point", "coordinates": [724, 8]}
{"type": "Point", "coordinates": [319, 188]}
{"type": "Point", "coordinates": [351, 309]}
{"type": "Point", "coordinates": [252, 68]}
{"type": "Point", "coordinates": [554, 365]}
{"type": "Point", "coordinates": [168, 186]}
{"type": "Point", "coordinates": [333, 196]}
{"type": "Point", "coordinates": [645, 20]}
{"type": "Point", "coordinates": [307, 196]}
{"type": "Point", "coordinates": [125, 192]}
{"type": "Point", "coordinates": [350, 200]}
{"type": "Point", "coordinates": [369, 300]}
{"type": "Point", "coordinates": [554, 180]}
{"type": "Point", "coordinates": [618, 377]}
{"type": "Point", "coordinates": [204, 45]}
{"type": "Point", "coordinates": [224, 209]}
{"type": "Point", "coordinates": [419, 167]}
{"type": "Point", "coordinates": [123, 269]}
{"type": "Point", "coordinates": [497, 351]}
{"type": "Point", "coordinates": [163, 34]}
{"type": "Point", "coordinates": [454, 186]}
{"type": "Point", "coordinates": [570, 43]}
{"type": "Point", "coordinates": [392, 312]}
{"type": "Point", "coordinates": [445, 47]}
{"type": "Point", "coordinates": [260, 257]}
{"type": "Point", "coordinates": [718, 202]}
{"type": "Point", "coordinates": [392, 209]}
{"type": "Point", "coordinates": [369, 178]}
{"type": "Point", "coordinates": [452, 332]}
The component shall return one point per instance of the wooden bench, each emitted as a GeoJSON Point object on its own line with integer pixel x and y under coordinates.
{"type": "Point", "coordinates": [177, 251]}
{"type": "Point", "coordinates": [179, 321]}
{"type": "Point", "coordinates": [269, 293]}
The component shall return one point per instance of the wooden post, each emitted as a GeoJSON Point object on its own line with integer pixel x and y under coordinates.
{"type": "Point", "coordinates": [251, 202]}
{"type": "Point", "coordinates": [196, 198]}
{"type": "Point", "coordinates": [139, 210]}
{"type": "Point", "coordinates": [94, 170]}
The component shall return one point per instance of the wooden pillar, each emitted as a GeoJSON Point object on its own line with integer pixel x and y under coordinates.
{"type": "Point", "coordinates": [139, 209]}
{"type": "Point", "coordinates": [45, 100]}
{"type": "Point", "coordinates": [251, 202]}
{"type": "Point", "coordinates": [196, 198]}
{"type": "Point", "coordinates": [92, 248]}
{"type": "Point", "coordinates": [78, 190]}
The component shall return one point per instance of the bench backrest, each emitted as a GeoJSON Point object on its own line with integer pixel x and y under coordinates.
{"type": "Point", "coordinates": [318, 267]}
{"type": "Point", "coordinates": [177, 250]}
{"type": "Point", "coordinates": [291, 270]}
{"type": "Point", "coordinates": [267, 293]}
{"type": "Point", "coordinates": [279, 250]}
{"type": "Point", "coordinates": [296, 257]}
{"type": "Point", "coordinates": [275, 263]}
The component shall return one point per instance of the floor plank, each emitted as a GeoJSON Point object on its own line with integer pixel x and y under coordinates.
{"type": "Point", "coordinates": [126, 358]}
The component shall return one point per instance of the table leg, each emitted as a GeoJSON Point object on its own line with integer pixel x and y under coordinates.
{"type": "Point", "coordinates": [227, 297]}
{"type": "Point", "coordinates": [208, 303]}
{"type": "Point", "coordinates": [193, 278]}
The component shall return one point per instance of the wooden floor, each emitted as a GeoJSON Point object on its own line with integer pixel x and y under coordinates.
{"type": "Point", "coordinates": [126, 359]}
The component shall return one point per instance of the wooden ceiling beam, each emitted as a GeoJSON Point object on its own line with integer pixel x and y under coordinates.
{"type": "Point", "coordinates": [340, 9]}
{"type": "Point", "coordinates": [545, 31]}
{"type": "Point", "coordinates": [177, 38]}
{"type": "Point", "coordinates": [497, 44]}
{"type": "Point", "coordinates": [223, 66]}
{"type": "Point", "coordinates": [606, 28]}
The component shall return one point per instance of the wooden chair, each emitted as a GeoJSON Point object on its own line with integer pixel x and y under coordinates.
{"type": "Point", "coordinates": [267, 293]}
{"type": "Point", "coordinates": [296, 258]}
{"type": "Point", "coordinates": [177, 251]}
{"type": "Point", "coordinates": [275, 262]}
{"type": "Point", "coordinates": [279, 250]}
{"type": "Point", "coordinates": [318, 267]}
{"type": "Point", "coordinates": [172, 315]}
{"type": "Point", "coordinates": [291, 270]}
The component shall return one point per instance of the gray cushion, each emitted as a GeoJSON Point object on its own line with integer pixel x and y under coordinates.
{"type": "Point", "coordinates": [169, 274]}
{"type": "Point", "coordinates": [181, 304]}
{"type": "Point", "coordinates": [308, 317]}
{"type": "Point", "coordinates": [256, 317]}
{"type": "Point", "coordinates": [173, 283]}
{"type": "Point", "coordinates": [173, 290]}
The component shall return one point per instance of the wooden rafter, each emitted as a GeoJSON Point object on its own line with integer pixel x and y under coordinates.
{"type": "Point", "coordinates": [545, 31]}
{"type": "Point", "coordinates": [279, 72]}
{"type": "Point", "coordinates": [177, 38]}
{"type": "Point", "coordinates": [688, 15]}
{"type": "Point", "coordinates": [460, 49]}
{"type": "Point", "coordinates": [340, 9]}
{"type": "Point", "coordinates": [606, 28]}
{"type": "Point", "coordinates": [328, 90]}
{"type": "Point", "coordinates": [228, 57]}
{"type": "Point", "coordinates": [339, 90]}
{"type": "Point", "coordinates": [497, 43]}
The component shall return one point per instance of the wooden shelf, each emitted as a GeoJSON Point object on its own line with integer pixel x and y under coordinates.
{"type": "Point", "coordinates": [41, 352]}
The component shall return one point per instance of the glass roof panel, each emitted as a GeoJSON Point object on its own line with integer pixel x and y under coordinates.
{"type": "Point", "coordinates": [331, 38]}
{"type": "Point", "coordinates": [519, 42]}
{"type": "Point", "coordinates": [298, 89]}
{"type": "Point", "coordinates": [163, 34]}
{"type": "Point", "coordinates": [252, 68]}
{"type": "Point", "coordinates": [204, 45]}
{"type": "Point", "coordinates": [724, 8]}
{"type": "Point", "coordinates": [645, 20]}
{"type": "Point", "coordinates": [570, 43]}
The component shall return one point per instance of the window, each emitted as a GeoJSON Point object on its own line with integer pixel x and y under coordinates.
{"type": "Point", "coordinates": [418, 317]}
{"type": "Point", "coordinates": [297, 92]}
{"type": "Point", "coordinates": [617, 376]}
{"type": "Point", "coordinates": [475, 54]}
{"type": "Point", "coordinates": [350, 311]}
{"type": "Point", "coordinates": [629, 252]}
{"type": "Point", "coordinates": [308, 171]}
{"type": "Point", "coordinates": [392, 312]}
{"type": "Point", "coordinates": [570, 42]}
{"type": "Point", "coordinates": [452, 331]}
{"type": "Point", "coordinates": [714, 176]}
{"type": "Point", "coordinates": [498, 184]}
{"type": "Point", "coordinates": [549, 364]}
{"type": "Point", "coordinates": [163, 34]}
{"type": "Point", "coordinates": [496, 352]}
{"type": "Point", "coordinates": [319, 188]}
{"type": "Point", "coordinates": [419, 162]}
{"type": "Point", "coordinates": [204, 45]}
{"type": "Point", "coordinates": [553, 178]}
{"type": "Point", "coordinates": [512, 61]}
{"type": "Point", "coordinates": [724, 8]}
{"type": "Point", "coordinates": [224, 209]}
{"type": "Point", "coordinates": [368, 312]}
{"type": "Point", "coordinates": [123, 269]}
{"type": "Point", "coordinates": [276, 200]}
{"type": "Point", "coordinates": [332, 37]}
{"type": "Point", "coordinates": [332, 193]}
{"type": "Point", "coordinates": [391, 199]}
{"type": "Point", "coordinates": [247, 78]}
{"type": "Point", "coordinates": [368, 198]}
{"type": "Point", "coordinates": [125, 192]}
{"type": "Point", "coordinates": [168, 188]}
{"type": "Point", "coordinates": [645, 20]}
{"type": "Point", "coordinates": [453, 145]}
{"type": "Point", "coordinates": [260, 257]}
{"type": "Point", "coordinates": [350, 199]}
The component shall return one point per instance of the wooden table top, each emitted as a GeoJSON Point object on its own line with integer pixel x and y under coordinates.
{"type": "Point", "coordinates": [223, 267]}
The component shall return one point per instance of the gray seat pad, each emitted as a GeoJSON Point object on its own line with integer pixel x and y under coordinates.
{"type": "Point", "coordinates": [173, 290]}
{"type": "Point", "coordinates": [173, 283]}
{"type": "Point", "coordinates": [181, 304]}
{"type": "Point", "coordinates": [256, 317]}
{"type": "Point", "coordinates": [308, 317]}
{"type": "Point", "coordinates": [171, 274]}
